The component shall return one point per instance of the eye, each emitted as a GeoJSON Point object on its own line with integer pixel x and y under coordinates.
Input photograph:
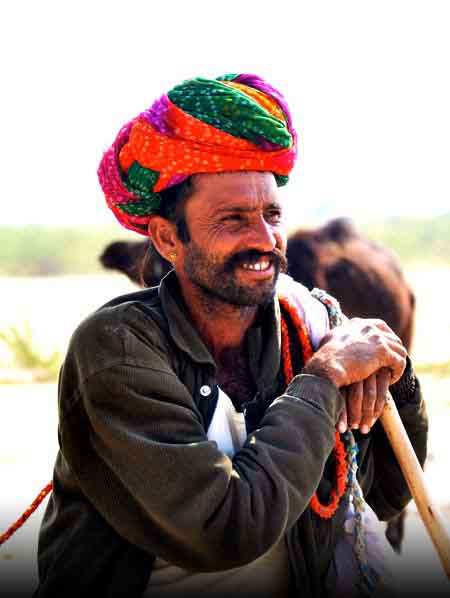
{"type": "Point", "coordinates": [232, 218]}
{"type": "Point", "coordinates": [274, 215]}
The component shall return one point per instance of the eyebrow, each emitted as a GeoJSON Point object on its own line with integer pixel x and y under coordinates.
{"type": "Point", "coordinates": [242, 209]}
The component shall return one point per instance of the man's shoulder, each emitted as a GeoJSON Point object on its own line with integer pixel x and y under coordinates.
{"type": "Point", "coordinates": [148, 298]}
{"type": "Point", "coordinates": [133, 309]}
{"type": "Point", "coordinates": [121, 329]}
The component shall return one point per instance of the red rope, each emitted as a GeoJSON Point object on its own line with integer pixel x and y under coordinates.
{"type": "Point", "coordinates": [324, 511]}
{"type": "Point", "coordinates": [26, 514]}
{"type": "Point", "coordinates": [301, 331]}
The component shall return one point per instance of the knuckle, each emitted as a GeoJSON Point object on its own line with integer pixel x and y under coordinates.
{"type": "Point", "coordinates": [367, 328]}
{"type": "Point", "coordinates": [378, 338]}
{"type": "Point", "coordinates": [380, 322]}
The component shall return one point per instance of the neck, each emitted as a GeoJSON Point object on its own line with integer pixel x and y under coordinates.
{"type": "Point", "coordinates": [222, 326]}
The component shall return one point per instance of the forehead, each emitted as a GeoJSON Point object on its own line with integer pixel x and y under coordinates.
{"type": "Point", "coordinates": [235, 189]}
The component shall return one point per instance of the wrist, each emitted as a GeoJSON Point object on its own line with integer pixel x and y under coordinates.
{"type": "Point", "coordinates": [325, 370]}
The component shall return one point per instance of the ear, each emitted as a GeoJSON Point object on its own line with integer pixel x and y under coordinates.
{"type": "Point", "coordinates": [163, 235]}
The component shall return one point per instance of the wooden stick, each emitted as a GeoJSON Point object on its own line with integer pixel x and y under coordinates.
{"type": "Point", "coordinates": [410, 466]}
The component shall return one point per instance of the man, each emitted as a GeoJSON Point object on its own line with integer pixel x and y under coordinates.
{"type": "Point", "coordinates": [190, 463]}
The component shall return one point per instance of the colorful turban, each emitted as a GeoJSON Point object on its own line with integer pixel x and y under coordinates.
{"type": "Point", "coordinates": [233, 123]}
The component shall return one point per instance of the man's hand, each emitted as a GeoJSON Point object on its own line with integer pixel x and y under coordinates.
{"type": "Point", "coordinates": [364, 402]}
{"type": "Point", "coordinates": [365, 356]}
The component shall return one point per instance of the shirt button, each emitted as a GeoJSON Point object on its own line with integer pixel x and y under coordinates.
{"type": "Point", "coordinates": [205, 390]}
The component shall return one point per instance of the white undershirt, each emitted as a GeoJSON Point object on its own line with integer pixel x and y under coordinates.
{"type": "Point", "coordinates": [266, 576]}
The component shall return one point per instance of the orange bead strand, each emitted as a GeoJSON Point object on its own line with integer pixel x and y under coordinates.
{"type": "Point", "coordinates": [324, 511]}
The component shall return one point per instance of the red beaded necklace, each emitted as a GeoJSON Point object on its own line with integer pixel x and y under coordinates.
{"type": "Point", "coordinates": [323, 511]}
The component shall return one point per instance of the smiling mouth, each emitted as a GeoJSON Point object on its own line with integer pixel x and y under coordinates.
{"type": "Point", "coordinates": [261, 266]}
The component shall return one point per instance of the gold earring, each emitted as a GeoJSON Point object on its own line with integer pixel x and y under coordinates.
{"type": "Point", "coordinates": [172, 256]}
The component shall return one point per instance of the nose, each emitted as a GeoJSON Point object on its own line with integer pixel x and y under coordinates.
{"type": "Point", "coordinates": [265, 237]}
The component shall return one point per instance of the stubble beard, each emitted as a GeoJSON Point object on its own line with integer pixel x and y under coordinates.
{"type": "Point", "coordinates": [217, 281]}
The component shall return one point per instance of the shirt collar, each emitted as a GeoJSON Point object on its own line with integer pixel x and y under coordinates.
{"type": "Point", "coordinates": [263, 339]}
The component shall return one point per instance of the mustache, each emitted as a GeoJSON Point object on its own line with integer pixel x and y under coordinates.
{"type": "Point", "coordinates": [276, 258]}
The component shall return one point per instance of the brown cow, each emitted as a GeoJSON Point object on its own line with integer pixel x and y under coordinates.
{"type": "Point", "coordinates": [365, 277]}
{"type": "Point", "coordinates": [128, 257]}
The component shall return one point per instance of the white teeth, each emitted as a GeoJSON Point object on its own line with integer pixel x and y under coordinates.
{"type": "Point", "coordinates": [257, 266]}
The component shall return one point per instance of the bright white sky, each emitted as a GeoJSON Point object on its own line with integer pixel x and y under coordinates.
{"type": "Point", "coordinates": [368, 84]}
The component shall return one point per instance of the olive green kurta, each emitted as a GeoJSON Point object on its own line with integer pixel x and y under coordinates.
{"type": "Point", "coordinates": [137, 477]}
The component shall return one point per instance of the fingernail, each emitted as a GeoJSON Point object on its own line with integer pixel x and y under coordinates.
{"type": "Point", "coordinates": [354, 426]}
{"type": "Point", "coordinates": [342, 427]}
{"type": "Point", "coordinates": [364, 429]}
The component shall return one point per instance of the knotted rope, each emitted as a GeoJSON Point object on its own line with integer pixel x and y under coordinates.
{"type": "Point", "coordinates": [368, 576]}
{"type": "Point", "coordinates": [26, 514]}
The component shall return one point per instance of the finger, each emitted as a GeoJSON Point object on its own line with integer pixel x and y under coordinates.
{"type": "Point", "coordinates": [373, 326]}
{"type": "Point", "coordinates": [393, 357]}
{"type": "Point", "coordinates": [341, 425]}
{"type": "Point", "coordinates": [396, 346]}
{"type": "Point", "coordinates": [396, 365]}
{"type": "Point", "coordinates": [383, 382]}
{"type": "Point", "coordinates": [354, 404]}
{"type": "Point", "coordinates": [385, 337]}
{"type": "Point", "coordinates": [368, 403]}
{"type": "Point", "coordinates": [387, 330]}
{"type": "Point", "coordinates": [377, 323]}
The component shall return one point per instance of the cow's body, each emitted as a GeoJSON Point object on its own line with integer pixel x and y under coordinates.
{"type": "Point", "coordinates": [366, 278]}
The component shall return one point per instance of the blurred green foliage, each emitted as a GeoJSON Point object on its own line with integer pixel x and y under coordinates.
{"type": "Point", "coordinates": [416, 241]}
{"type": "Point", "coordinates": [439, 370]}
{"type": "Point", "coordinates": [35, 251]}
{"type": "Point", "coordinates": [27, 356]}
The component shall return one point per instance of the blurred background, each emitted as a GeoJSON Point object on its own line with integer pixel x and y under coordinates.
{"type": "Point", "coordinates": [369, 89]}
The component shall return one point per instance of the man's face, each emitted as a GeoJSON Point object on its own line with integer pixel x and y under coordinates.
{"type": "Point", "coordinates": [237, 241]}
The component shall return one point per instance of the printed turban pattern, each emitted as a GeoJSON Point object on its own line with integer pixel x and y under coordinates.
{"type": "Point", "coordinates": [233, 123]}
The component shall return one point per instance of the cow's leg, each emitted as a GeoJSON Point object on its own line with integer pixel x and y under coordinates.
{"type": "Point", "coordinates": [395, 530]}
